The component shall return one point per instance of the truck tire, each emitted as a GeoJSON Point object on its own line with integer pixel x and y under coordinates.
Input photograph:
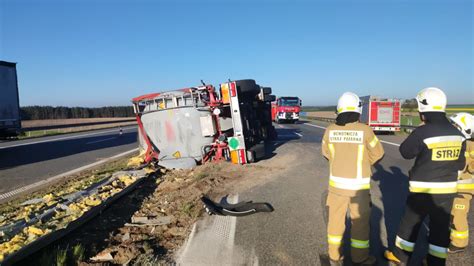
{"type": "Point", "coordinates": [266, 90]}
{"type": "Point", "coordinates": [269, 98]}
{"type": "Point", "coordinates": [247, 86]}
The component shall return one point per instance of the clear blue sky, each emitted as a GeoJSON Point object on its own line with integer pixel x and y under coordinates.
{"type": "Point", "coordinates": [94, 53]}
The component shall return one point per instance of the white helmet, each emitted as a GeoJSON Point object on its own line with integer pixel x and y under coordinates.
{"type": "Point", "coordinates": [465, 123]}
{"type": "Point", "coordinates": [349, 102]}
{"type": "Point", "coordinates": [431, 100]}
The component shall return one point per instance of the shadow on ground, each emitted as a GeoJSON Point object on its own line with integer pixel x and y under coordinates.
{"type": "Point", "coordinates": [284, 135]}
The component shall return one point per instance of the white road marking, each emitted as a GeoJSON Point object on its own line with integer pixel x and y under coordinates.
{"type": "Point", "coordinates": [64, 138]}
{"type": "Point", "coordinates": [100, 140]}
{"type": "Point", "coordinates": [391, 143]}
{"type": "Point", "coordinates": [312, 125]}
{"type": "Point", "coordinates": [298, 134]}
{"type": "Point", "coordinates": [383, 141]}
{"type": "Point", "coordinates": [74, 171]}
{"type": "Point", "coordinates": [218, 232]}
{"type": "Point", "coordinates": [280, 126]}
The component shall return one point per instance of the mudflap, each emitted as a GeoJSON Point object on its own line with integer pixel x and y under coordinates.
{"type": "Point", "coordinates": [258, 152]}
{"type": "Point", "coordinates": [239, 209]}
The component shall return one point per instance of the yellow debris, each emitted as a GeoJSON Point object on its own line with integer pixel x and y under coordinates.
{"type": "Point", "coordinates": [149, 170]}
{"type": "Point", "coordinates": [34, 230]}
{"type": "Point", "coordinates": [92, 202]}
{"type": "Point", "coordinates": [48, 197]}
{"type": "Point", "coordinates": [126, 179]}
{"type": "Point", "coordinates": [136, 161]}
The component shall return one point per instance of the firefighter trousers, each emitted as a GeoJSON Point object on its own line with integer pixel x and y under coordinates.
{"type": "Point", "coordinates": [459, 226]}
{"type": "Point", "coordinates": [420, 205]}
{"type": "Point", "coordinates": [359, 209]}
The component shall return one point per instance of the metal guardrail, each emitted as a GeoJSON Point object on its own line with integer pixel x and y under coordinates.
{"type": "Point", "coordinates": [332, 120]}
{"type": "Point", "coordinates": [25, 129]}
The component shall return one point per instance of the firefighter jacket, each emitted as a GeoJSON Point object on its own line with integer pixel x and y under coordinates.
{"type": "Point", "coordinates": [438, 149]}
{"type": "Point", "coordinates": [351, 150]}
{"type": "Point", "coordinates": [466, 177]}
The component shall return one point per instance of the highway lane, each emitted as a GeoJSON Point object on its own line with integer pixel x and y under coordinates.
{"type": "Point", "coordinates": [295, 233]}
{"type": "Point", "coordinates": [25, 162]}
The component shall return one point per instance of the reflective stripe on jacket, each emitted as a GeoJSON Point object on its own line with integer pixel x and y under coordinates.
{"type": "Point", "coordinates": [351, 150]}
{"type": "Point", "coordinates": [466, 176]}
{"type": "Point", "coordinates": [433, 187]}
{"type": "Point", "coordinates": [439, 151]}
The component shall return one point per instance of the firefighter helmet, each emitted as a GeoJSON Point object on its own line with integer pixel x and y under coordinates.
{"type": "Point", "coordinates": [465, 123]}
{"type": "Point", "coordinates": [349, 102]}
{"type": "Point", "coordinates": [431, 100]}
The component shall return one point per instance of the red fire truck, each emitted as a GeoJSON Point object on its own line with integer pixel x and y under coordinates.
{"type": "Point", "coordinates": [381, 114]}
{"type": "Point", "coordinates": [286, 109]}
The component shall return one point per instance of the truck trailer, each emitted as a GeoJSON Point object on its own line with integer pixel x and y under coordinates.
{"type": "Point", "coordinates": [10, 122]}
{"type": "Point", "coordinates": [181, 128]}
{"type": "Point", "coordinates": [381, 114]}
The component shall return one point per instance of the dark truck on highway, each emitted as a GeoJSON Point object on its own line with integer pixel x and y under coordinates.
{"type": "Point", "coordinates": [10, 122]}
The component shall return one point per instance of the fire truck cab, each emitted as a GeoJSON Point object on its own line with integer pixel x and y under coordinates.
{"type": "Point", "coordinates": [286, 109]}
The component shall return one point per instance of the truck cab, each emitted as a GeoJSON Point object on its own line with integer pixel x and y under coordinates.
{"type": "Point", "coordinates": [286, 109]}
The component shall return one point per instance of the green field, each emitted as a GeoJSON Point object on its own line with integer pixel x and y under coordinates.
{"type": "Point", "coordinates": [317, 108]}
{"type": "Point", "coordinates": [410, 120]}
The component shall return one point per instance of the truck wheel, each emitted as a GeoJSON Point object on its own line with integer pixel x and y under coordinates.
{"type": "Point", "coordinates": [269, 98]}
{"type": "Point", "coordinates": [266, 90]}
{"type": "Point", "coordinates": [247, 85]}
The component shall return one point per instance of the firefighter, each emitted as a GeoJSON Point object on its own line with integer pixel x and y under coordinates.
{"type": "Point", "coordinates": [351, 148]}
{"type": "Point", "coordinates": [459, 226]}
{"type": "Point", "coordinates": [438, 148]}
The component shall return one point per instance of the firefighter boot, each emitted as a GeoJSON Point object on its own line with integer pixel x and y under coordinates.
{"type": "Point", "coordinates": [371, 260]}
{"type": "Point", "coordinates": [453, 249]}
{"type": "Point", "coordinates": [336, 262]}
{"type": "Point", "coordinates": [392, 259]}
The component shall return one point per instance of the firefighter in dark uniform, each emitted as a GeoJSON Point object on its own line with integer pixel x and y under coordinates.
{"type": "Point", "coordinates": [439, 151]}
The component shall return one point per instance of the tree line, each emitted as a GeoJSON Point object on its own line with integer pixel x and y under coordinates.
{"type": "Point", "coordinates": [62, 112]}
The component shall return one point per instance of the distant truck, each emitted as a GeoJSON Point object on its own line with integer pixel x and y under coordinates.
{"type": "Point", "coordinates": [286, 109]}
{"type": "Point", "coordinates": [381, 114]}
{"type": "Point", "coordinates": [10, 122]}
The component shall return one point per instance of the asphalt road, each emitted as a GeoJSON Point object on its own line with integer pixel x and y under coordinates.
{"type": "Point", "coordinates": [295, 233]}
{"type": "Point", "coordinates": [24, 162]}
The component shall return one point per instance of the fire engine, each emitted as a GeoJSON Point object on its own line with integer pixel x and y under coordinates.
{"type": "Point", "coordinates": [381, 114]}
{"type": "Point", "coordinates": [286, 109]}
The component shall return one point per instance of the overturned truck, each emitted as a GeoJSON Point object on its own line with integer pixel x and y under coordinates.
{"type": "Point", "coordinates": [180, 128]}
